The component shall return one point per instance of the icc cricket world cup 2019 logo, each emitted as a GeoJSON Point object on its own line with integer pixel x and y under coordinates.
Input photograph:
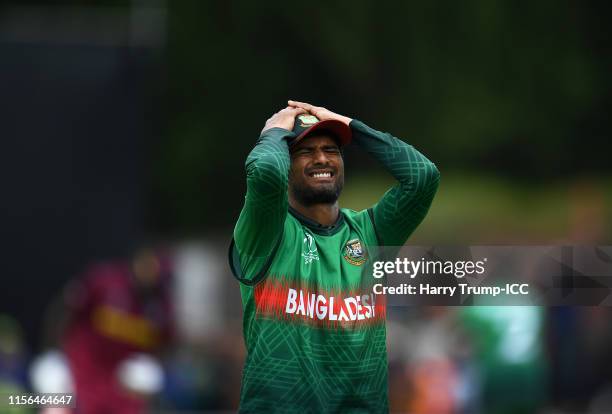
{"type": "Point", "coordinates": [310, 249]}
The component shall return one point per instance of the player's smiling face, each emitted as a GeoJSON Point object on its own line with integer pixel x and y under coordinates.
{"type": "Point", "coordinates": [316, 175]}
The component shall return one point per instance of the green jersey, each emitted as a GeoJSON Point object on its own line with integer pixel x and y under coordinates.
{"type": "Point", "coordinates": [314, 330]}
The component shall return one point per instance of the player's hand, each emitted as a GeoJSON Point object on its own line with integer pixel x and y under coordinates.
{"type": "Point", "coordinates": [284, 118]}
{"type": "Point", "coordinates": [320, 112]}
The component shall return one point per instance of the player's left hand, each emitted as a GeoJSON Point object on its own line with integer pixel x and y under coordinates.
{"type": "Point", "coordinates": [322, 113]}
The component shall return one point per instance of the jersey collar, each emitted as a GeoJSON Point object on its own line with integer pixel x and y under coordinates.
{"type": "Point", "coordinates": [317, 227]}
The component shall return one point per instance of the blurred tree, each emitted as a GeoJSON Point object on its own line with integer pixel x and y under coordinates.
{"type": "Point", "coordinates": [510, 88]}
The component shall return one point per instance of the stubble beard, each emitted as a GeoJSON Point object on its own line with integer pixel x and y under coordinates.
{"type": "Point", "coordinates": [309, 196]}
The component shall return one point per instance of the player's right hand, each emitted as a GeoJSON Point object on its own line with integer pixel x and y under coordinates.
{"type": "Point", "coordinates": [283, 118]}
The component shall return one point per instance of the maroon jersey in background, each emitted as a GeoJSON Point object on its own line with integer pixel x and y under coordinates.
{"type": "Point", "coordinates": [116, 313]}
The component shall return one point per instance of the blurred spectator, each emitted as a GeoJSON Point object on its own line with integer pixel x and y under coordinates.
{"type": "Point", "coordinates": [424, 374]}
{"type": "Point", "coordinates": [509, 356]}
{"type": "Point", "coordinates": [118, 312]}
{"type": "Point", "coordinates": [203, 372]}
{"type": "Point", "coordinates": [13, 362]}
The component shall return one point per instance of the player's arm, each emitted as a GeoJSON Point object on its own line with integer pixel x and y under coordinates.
{"type": "Point", "coordinates": [260, 225]}
{"type": "Point", "coordinates": [404, 206]}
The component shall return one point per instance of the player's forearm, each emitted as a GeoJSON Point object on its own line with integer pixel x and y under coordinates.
{"type": "Point", "coordinates": [404, 206]}
{"type": "Point", "coordinates": [267, 166]}
{"type": "Point", "coordinates": [265, 206]}
{"type": "Point", "coordinates": [412, 169]}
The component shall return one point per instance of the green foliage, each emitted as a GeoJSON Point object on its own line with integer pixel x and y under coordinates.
{"type": "Point", "coordinates": [504, 87]}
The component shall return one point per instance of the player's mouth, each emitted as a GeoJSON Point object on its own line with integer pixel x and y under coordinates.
{"type": "Point", "coordinates": [321, 174]}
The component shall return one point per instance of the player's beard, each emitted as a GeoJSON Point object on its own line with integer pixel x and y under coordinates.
{"type": "Point", "coordinates": [311, 195]}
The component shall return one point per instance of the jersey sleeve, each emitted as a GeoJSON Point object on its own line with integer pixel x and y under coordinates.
{"type": "Point", "coordinates": [259, 228]}
{"type": "Point", "coordinates": [398, 213]}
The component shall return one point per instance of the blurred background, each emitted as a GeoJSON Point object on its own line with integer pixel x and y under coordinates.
{"type": "Point", "coordinates": [126, 124]}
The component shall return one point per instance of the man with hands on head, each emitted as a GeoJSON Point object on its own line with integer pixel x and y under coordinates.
{"type": "Point", "coordinates": [313, 328]}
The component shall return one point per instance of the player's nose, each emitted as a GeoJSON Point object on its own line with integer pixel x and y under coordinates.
{"type": "Point", "coordinates": [320, 157]}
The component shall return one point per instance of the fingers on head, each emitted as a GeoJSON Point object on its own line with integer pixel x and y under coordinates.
{"type": "Point", "coordinates": [295, 111]}
{"type": "Point", "coordinates": [284, 111]}
{"type": "Point", "coordinates": [300, 104]}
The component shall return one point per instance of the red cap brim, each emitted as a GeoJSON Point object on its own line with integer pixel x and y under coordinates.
{"type": "Point", "coordinates": [338, 128]}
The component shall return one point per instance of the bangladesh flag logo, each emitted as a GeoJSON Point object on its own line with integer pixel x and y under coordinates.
{"type": "Point", "coordinates": [354, 253]}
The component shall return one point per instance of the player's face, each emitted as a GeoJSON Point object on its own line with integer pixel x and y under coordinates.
{"type": "Point", "coordinates": [317, 171]}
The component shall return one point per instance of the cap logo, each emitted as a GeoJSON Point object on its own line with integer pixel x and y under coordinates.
{"type": "Point", "coordinates": [307, 120]}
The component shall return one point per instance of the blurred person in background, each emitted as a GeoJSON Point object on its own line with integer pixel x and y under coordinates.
{"type": "Point", "coordinates": [433, 372]}
{"type": "Point", "coordinates": [120, 318]}
{"type": "Point", "coordinates": [508, 351]}
{"type": "Point", "coordinates": [13, 364]}
{"type": "Point", "coordinates": [13, 361]}
{"type": "Point", "coordinates": [203, 369]}
{"type": "Point", "coordinates": [585, 330]}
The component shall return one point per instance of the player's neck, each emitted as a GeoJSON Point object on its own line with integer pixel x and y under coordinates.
{"type": "Point", "coordinates": [324, 214]}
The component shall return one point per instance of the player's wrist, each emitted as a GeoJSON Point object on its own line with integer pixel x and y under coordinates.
{"type": "Point", "coordinates": [344, 119]}
{"type": "Point", "coordinates": [273, 127]}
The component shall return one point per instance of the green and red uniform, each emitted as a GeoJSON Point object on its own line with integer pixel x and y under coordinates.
{"type": "Point", "coordinates": [314, 331]}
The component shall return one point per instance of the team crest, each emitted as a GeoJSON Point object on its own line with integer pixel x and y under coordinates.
{"type": "Point", "coordinates": [354, 253]}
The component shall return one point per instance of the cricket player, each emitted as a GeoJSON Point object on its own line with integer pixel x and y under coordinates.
{"type": "Point", "coordinates": [314, 332]}
{"type": "Point", "coordinates": [117, 310]}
